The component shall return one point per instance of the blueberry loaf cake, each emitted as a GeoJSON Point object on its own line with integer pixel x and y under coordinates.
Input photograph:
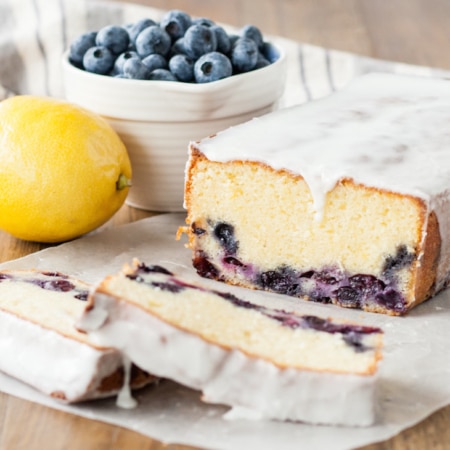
{"type": "Point", "coordinates": [40, 345]}
{"type": "Point", "coordinates": [263, 362]}
{"type": "Point", "coordinates": [344, 200]}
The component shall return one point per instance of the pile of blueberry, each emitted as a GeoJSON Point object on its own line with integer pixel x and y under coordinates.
{"type": "Point", "coordinates": [178, 48]}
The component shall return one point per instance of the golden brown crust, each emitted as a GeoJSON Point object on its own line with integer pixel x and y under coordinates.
{"type": "Point", "coordinates": [427, 268]}
{"type": "Point", "coordinates": [58, 395]}
{"type": "Point", "coordinates": [195, 157]}
{"type": "Point", "coordinates": [114, 381]}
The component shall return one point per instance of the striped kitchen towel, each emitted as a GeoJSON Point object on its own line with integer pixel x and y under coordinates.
{"type": "Point", "coordinates": [35, 33]}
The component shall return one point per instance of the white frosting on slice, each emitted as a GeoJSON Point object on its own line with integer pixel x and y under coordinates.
{"type": "Point", "coordinates": [52, 363]}
{"type": "Point", "coordinates": [256, 387]}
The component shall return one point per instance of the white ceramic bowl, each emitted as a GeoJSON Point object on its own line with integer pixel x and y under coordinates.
{"type": "Point", "coordinates": [157, 119]}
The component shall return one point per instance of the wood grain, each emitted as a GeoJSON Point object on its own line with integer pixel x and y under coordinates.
{"type": "Point", "coordinates": [411, 31]}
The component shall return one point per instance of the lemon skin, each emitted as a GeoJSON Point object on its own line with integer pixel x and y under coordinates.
{"type": "Point", "coordinates": [63, 170]}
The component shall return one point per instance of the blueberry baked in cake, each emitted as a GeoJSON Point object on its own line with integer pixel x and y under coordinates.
{"type": "Point", "coordinates": [344, 200]}
{"type": "Point", "coordinates": [40, 345]}
{"type": "Point", "coordinates": [263, 362]}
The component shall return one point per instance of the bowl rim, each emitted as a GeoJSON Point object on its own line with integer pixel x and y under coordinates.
{"type": "Point", "coordinates": [178, 85]}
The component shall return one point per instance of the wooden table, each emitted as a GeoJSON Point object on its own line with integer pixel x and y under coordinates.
{"type": "Point", "coordinates": [412, 31]}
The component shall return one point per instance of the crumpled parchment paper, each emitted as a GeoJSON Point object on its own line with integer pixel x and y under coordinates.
{"type": "Point", "coordinates": [414, 373]}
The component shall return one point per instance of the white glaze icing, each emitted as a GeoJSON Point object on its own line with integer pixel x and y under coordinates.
{"type": "Point", "coordinates": [51, 362]}
{"type": "Point", "coordinates": [255, 387]}
{"type": "Point", "coordinates": [124, 398]}
{"type": "Point", "coordinates": [385, 131]}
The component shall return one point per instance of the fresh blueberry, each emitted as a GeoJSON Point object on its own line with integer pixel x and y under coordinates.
{"type": "Point", "coordinates": [178, 47]}
{"type": "Point", "coordinates": [153, 39]}
{"type": "Point", "coordinates": [162, 75]}
{"type": "Point", "coordinates": [270, 52]}
{"type": "Point", "coordinates": [261, 61]}
{"type": "Point", "coordinates": [135, 69]}
{"type": "Point", "coordinates": [244, 54]}
{"type": "Point", "coordinates": [223, 40]}
{"type": "Point", "coordinates": [182, 67]}
{"type": "Point", "coordinates": [176, 34]}
{"type": "Point", "coordinates": [155, 61]}
{"type": "Point", "coordinates": [120, 61]}
{"type": "Point", "coordinates": [212, 67]}
{"type": "Point", "coordinates": [128, 27]}
{"type": "Point", "coordinates": [98, 60]}
{"type": "Point", "coordinates": [199, 40]}
{"type": "Point", "coordinates": [233, 39]}
{"type": "Point", "coordinates": [175, 23]}
{"type": "Point", "coordinates": [253, 33]}
{"type": "Point", "coordinates": [113, 37]}
{"type": "Point", "coordinates": [80, 46]}
{"type": "Point", "coordinates": [203, 21]}
{"type": "Point", "coordinates": [138, 26]}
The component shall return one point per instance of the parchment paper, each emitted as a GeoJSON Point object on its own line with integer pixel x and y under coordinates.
{"type": "Point", "coordinates": [414, 373]}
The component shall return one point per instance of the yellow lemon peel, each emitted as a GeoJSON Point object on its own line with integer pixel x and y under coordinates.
{"type": "Point", "coordinates": [64, 171]}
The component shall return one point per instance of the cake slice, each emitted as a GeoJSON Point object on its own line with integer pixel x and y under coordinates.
{"type": "Point", "coordinates": [40, 345]}
{"type": "Point", "coordinates": [344, 200]}
{"type": "Point", "coordinates": [263, 362]}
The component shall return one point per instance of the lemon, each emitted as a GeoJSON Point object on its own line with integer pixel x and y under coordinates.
{"type": "Point", "coordinates": [64, 171]}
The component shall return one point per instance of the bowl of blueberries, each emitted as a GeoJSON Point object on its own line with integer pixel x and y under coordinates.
{"type": "Point", "coordinates": [163, 83]}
